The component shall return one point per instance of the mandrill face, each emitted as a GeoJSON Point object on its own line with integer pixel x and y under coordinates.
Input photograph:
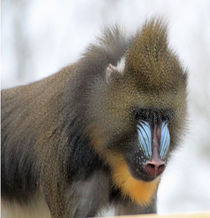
{"type": "Point", "coordinates": [137, 130]}
{"type": "Point", "coordinates": [150, 144]}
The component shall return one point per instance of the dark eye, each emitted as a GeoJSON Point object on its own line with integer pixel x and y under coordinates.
{"type": "Point", "coordinates": [136, 115]}
{"type": "Point", "coordinates": [142, 114]}
{"type": "Point", "coordinates": [167, 116]}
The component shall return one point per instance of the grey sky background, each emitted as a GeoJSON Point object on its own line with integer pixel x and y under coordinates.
{"type": "Point", "coordinates": [39, 37]}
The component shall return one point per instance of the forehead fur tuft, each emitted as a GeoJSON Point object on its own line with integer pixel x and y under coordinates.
{"type": "Point", "coordinates": [151, 61]}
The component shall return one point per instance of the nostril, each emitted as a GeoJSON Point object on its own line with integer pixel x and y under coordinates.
{"type": "Point", "coordinates": [151, 165]}
{"type": "Point", "coordinates": [161, 168]}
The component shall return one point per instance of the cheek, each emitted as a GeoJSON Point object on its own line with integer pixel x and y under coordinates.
{"type": "Point", "coordinates": [136, 157]}
{"type": "Point", "coordinates": [135, 160]}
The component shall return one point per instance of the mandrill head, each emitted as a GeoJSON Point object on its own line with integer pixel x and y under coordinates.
{"type": "Point", "coordinates": [138, 107]}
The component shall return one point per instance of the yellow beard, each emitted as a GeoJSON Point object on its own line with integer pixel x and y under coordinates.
{"type": "Point", "coordinates": [139, 191]}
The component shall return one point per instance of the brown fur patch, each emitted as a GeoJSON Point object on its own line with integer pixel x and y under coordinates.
{"type": "Point", "coordinates": [152, 63]}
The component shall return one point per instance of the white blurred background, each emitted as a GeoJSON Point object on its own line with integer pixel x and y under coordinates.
{"type": "Point", "coordinates": [41, 36]}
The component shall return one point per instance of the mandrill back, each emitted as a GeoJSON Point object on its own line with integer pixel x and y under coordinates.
{"type": "Point", "coordinates": [26, 111]}
{"type": "Point", "coordinates": [98, 132]}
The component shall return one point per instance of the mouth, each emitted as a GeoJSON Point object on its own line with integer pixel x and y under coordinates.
{"type": "Point", "coordinates": [141, 174]}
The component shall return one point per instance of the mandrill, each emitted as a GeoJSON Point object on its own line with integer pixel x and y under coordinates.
{"type": "Point", "coordinates": [98, 132]}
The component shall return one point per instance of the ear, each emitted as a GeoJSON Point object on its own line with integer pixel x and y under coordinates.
{"type": "Point", "coordinates": [111, 73]}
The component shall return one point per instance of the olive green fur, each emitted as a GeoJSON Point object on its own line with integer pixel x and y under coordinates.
{"type": "Point", "coordinates": [58, 132]}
